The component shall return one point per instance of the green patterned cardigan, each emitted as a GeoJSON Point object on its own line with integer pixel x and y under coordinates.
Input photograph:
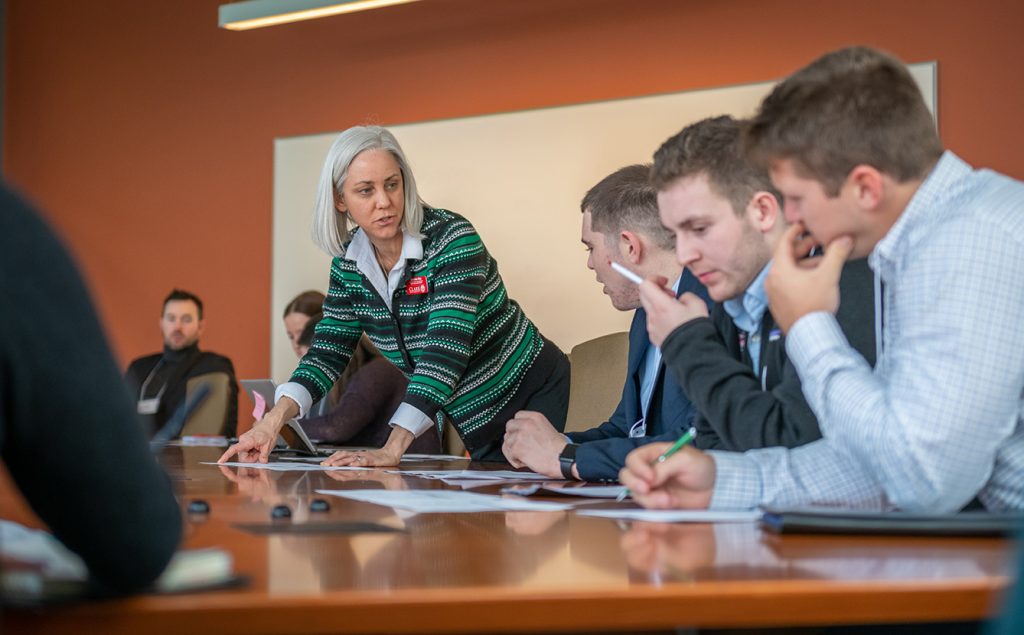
{"type": "Point", "coordinates": [464, 345]}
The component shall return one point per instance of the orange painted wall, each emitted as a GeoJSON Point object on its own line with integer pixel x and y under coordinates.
{"type": "Point", "coordinates": [145, 132]}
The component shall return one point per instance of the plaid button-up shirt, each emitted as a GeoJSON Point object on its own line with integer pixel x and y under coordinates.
{"type": "Point", "coordinates": [939, 419]}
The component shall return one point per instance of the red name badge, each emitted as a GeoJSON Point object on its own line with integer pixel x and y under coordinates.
{"type": "Point", "coordinates": [416, 285]}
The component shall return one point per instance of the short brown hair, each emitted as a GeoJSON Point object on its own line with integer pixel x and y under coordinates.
{"type": "Point", "coordinates": [712, 147]}
{"type": "Point", "coordinates": [178, 295]}
{"type": "Point", "coordinates": [307, 303]}
{"type": "Point", "coordinates": [855, 106]}
{"type": "Point", "coordinates": [626, 200]}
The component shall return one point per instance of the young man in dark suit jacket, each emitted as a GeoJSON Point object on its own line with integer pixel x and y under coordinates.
{"type": "Point", "coordinates": [727, 218]}
{"type": "Point", "coordinates": [620, 223]}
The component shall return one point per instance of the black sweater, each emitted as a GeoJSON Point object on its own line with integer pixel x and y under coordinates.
{"type": "Point", "coordinates": [68, 431]}
{"type": "Point", "coordinates": [175, 371]}
{"type": "Point", "coordinates": [738, 410]}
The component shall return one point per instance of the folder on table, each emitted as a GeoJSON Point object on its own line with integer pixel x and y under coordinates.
{"type": "Point", "coordinates": [844, 521]}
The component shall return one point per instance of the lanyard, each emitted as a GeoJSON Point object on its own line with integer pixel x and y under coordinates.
{"type": "Point", "coordinates": [149, 378]}
{"type": "Point", "coordinates": [755, 337]}
{"type": "Point", "coordinates": [152, 405]}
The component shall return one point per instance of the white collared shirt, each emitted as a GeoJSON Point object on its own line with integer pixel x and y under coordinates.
{"type": "Point", "coordinates": [361, 252]}
{"type": "Point", "coordinates": [650, 367]}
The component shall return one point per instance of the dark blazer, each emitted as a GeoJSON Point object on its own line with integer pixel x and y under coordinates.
{"type": "Point", "coordinates": [602, 452]}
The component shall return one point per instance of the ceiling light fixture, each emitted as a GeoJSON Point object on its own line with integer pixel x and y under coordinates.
{"type": "Point", "coordinates": [253, 14]}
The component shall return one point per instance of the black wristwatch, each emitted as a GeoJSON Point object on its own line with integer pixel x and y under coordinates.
{"type": "Point", "coordinates": [567, 459]}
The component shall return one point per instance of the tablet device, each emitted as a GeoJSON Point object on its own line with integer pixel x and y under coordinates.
{"type": "Point", "coordinates": [265, 388]}
{"type": "Point", "coordinates": [292, 436]}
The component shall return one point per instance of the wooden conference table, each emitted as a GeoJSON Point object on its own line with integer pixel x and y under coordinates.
{"type": "Point", "coordinates": [507, 572]}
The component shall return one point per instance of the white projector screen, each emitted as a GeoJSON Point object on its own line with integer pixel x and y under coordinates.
{"type": "Point", "coordinates": [518, 177]}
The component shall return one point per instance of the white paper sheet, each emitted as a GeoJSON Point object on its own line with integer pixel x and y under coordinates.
{"type": "Point", "coordinates": [675, 516]}
{"type": "Point", "coordinates": [283, 466]}
{"type": "Point", "coordinates": [443, 501]}
{"type": "Point", "coordinates": [593, 491]}
{"type": "Point", "coordinates": [200, 440]}
{"type": "Point", "coordinates": [490, 475]}
{"type": "Point", "coordinates": [412, 458]}
{"type": "Point", "coordinates": [469, 483]}
{"type": "Point", "coordinates": [21, 544]}
{"type": "Point", "coordinates": [48, 559]}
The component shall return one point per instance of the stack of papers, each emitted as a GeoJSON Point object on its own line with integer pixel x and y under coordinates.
{"type": "Point", "coordinates": [590, 491]}
{"type": "Point", "coordinates": [456, 477]}
{"type": "Point", "coordinates": [213, 440]}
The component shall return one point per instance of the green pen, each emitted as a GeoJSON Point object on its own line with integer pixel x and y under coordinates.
{"type": "Point", "coordinates": [688, 436]}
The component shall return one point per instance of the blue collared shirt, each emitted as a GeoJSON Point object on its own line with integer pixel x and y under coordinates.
{"type": "Point", "coordinates": [747, 312]}
{"type": "Point", "coordinates": [649, 368]}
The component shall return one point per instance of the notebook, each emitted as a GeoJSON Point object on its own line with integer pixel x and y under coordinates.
{"type": "Point", "coordinates": [38, 570]}
{"type": "Point", "coordinates": [844, 521]}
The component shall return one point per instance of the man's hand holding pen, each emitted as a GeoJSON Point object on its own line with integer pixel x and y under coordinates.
{"type": "Point", "coordinates": [665, 312]}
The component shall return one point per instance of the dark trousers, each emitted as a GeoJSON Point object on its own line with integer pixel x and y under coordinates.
{"type": "Point", "coordinates": [550, 398]}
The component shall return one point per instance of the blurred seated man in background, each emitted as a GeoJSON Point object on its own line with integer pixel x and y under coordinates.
{"type": "Point", "coordinates": [158, 381]}
{"type": "Point", "coordinates": [620, 223]}
{"type": "Point", "coordinates": [69, 436]}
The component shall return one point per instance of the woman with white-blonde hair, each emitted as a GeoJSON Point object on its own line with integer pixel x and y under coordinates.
{"type": "Point", "coordinates": [422, 286]}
